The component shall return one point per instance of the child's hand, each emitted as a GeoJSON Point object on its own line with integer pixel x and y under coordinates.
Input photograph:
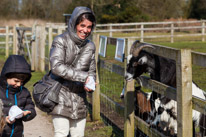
{"type": "Point", "coordinates": [26, 112]}
{"type": "Point", "coordinates": [8, 121]}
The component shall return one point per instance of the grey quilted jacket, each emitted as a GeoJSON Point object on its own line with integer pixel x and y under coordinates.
{"type": "Point", "coordinates": [72, 59]}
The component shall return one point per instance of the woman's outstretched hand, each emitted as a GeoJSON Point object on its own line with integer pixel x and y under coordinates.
{"type": "Point", "coordinates": [85, 88]}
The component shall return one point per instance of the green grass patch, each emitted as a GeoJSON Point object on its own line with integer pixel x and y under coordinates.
{"type": "Point", "coordinates": [36, 76]}
{"type": "Point", "coordinates": [98, 129]}
{"type": "Point", "coordinates": [111, 84]}
{"type": "Point", "coordinates": [194, 46]}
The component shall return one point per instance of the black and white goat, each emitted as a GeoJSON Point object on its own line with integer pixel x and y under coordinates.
{"type": "Point", "coordinates": [160, 69]}
{"type": "Point", "coordinates": [166, 118]}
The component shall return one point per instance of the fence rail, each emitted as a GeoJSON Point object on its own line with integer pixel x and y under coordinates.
{"type": "Point", "coordinates": [196, 28]}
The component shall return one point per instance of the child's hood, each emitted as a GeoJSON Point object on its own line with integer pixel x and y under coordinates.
{"type": "Point", "coordinates": [16, 64]}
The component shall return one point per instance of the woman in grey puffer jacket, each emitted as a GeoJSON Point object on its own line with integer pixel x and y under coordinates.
{"type": "Point", "coordinates": [72, 57]}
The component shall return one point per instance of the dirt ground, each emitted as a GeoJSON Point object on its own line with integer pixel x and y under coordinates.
{"type": "Point", "coordinates": [40, 126]}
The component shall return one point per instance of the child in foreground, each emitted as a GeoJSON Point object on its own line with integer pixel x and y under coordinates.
{"type": "Point", "coordinates": [15, 73]}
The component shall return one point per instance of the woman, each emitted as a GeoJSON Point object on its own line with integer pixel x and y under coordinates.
{"type": "Point", "coordinates": [72, 58]}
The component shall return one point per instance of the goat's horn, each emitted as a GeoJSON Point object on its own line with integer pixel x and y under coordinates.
{"type": "Point", "coordinates": [136, 49]}
{"type": "Point", "coordinates": [133, 47]}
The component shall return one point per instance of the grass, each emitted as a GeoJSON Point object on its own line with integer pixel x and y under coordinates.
{"type": "Point", "coordinates": [97, 129]}
{"type": "Point", "coordinates": [36, 76]}
{"type": "Point", "coordinates": [194, 46]}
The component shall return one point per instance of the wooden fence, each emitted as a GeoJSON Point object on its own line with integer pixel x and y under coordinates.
{"type": "Point", "coordinates": [183, 94]}
{"type": "Point", "coordinates": [196, 28]}
{"type": "Point", "coordinates": [36, 39]}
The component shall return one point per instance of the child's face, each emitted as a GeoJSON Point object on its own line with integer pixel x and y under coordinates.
{"type": "Point", "coordinates": [15, 82]}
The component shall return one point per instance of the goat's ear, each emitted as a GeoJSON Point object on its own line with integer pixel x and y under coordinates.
{"type": "Point", "coordinates": [143, 60]}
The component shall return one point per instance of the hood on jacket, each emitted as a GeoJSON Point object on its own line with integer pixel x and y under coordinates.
{"type": "Point", "coordinates": [16, 64]}
{"type": "Point", "coordinates": [72, 22]}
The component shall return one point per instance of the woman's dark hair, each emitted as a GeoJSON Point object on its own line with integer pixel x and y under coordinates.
{"type": "Point", "coordinates": [21, 76]}
{"type": "Point", "coordinates": [87, 16]}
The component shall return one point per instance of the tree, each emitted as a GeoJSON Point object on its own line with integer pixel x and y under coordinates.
{"type": "Point", "coordinates": [161, 9]}
{"type": "Point", "coordinates": [198, 9]}
{"type": "Point", "coordinates": [8, 8]}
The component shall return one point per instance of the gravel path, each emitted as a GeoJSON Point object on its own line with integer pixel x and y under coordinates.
{"type": "Point", "coordinates": [40, 126]}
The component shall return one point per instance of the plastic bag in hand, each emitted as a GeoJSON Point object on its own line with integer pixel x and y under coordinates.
{"type": "Point", "coordinates": [91, 83]}
{"type": "Point", "coordinates": [15, 113]}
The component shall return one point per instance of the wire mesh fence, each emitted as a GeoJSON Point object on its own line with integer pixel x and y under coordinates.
{"type": "Point", "coordinates": [110, 87]}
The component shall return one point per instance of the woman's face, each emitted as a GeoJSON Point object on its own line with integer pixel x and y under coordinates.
{"type": "Point", "coordinates": [84, 28]}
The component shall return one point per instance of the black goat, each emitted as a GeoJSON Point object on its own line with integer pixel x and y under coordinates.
{"type": "Point", "coordinates": [159, 68]}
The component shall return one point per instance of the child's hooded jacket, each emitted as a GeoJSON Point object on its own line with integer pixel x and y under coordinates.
{"type": "Point", "coordinates": [16, 96]}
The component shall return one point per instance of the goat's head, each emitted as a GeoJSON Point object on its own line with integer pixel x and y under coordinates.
{"type": "Point", "coordinates": [139, 61]}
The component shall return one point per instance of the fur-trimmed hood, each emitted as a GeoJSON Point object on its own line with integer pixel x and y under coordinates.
{"type": "Point", "coordinates": [16, 64]}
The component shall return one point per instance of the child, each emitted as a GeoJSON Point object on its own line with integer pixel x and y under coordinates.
{"type": "Point", "coordinates": [15, 73]}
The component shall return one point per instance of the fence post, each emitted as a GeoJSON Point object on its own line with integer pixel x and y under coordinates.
{"type": "Point", "coordinates": [15, 39]}
{"type": "Point", "coordinates": [184, 93]}
{"type": "Point", "coordinates": [96, 93]}
{"type": "Point", "coordinates": [203, 31]}
{"type": "Point", "coordinates": [50, 41]}
{"type": "Point", "coordinates": [7, 41]}
{"type": "Point", "coordinates": [37, 43]}
{"type": "Point", "coordinates": [142, 33]}
{"type": "Point", "coordinates": [42, 48]}
{"type": "Point", "coordinates": [130, 41]}
{"type": "Point", "coordinates": [129, 110]}
{"type": "Point", "coordinates": [33, 47]}
{"type": "Point", "coordinates": [129, 104]}
{"type": "Point", "coordinates": [172, 33]}
{"type": "Point", "coordinates": [110, 30]}
{"type": "Point", "coordinates": [59, 31]}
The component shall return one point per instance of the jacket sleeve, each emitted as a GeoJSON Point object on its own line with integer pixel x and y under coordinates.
{"type": "Point", "coordinates": [86, 60]}
{"type": "Point", "coordinates": [92, 68]}
{"type": "Point", "coordinates": [59, 68]}
{"type": "Point", "coordinates": [30, 107]}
